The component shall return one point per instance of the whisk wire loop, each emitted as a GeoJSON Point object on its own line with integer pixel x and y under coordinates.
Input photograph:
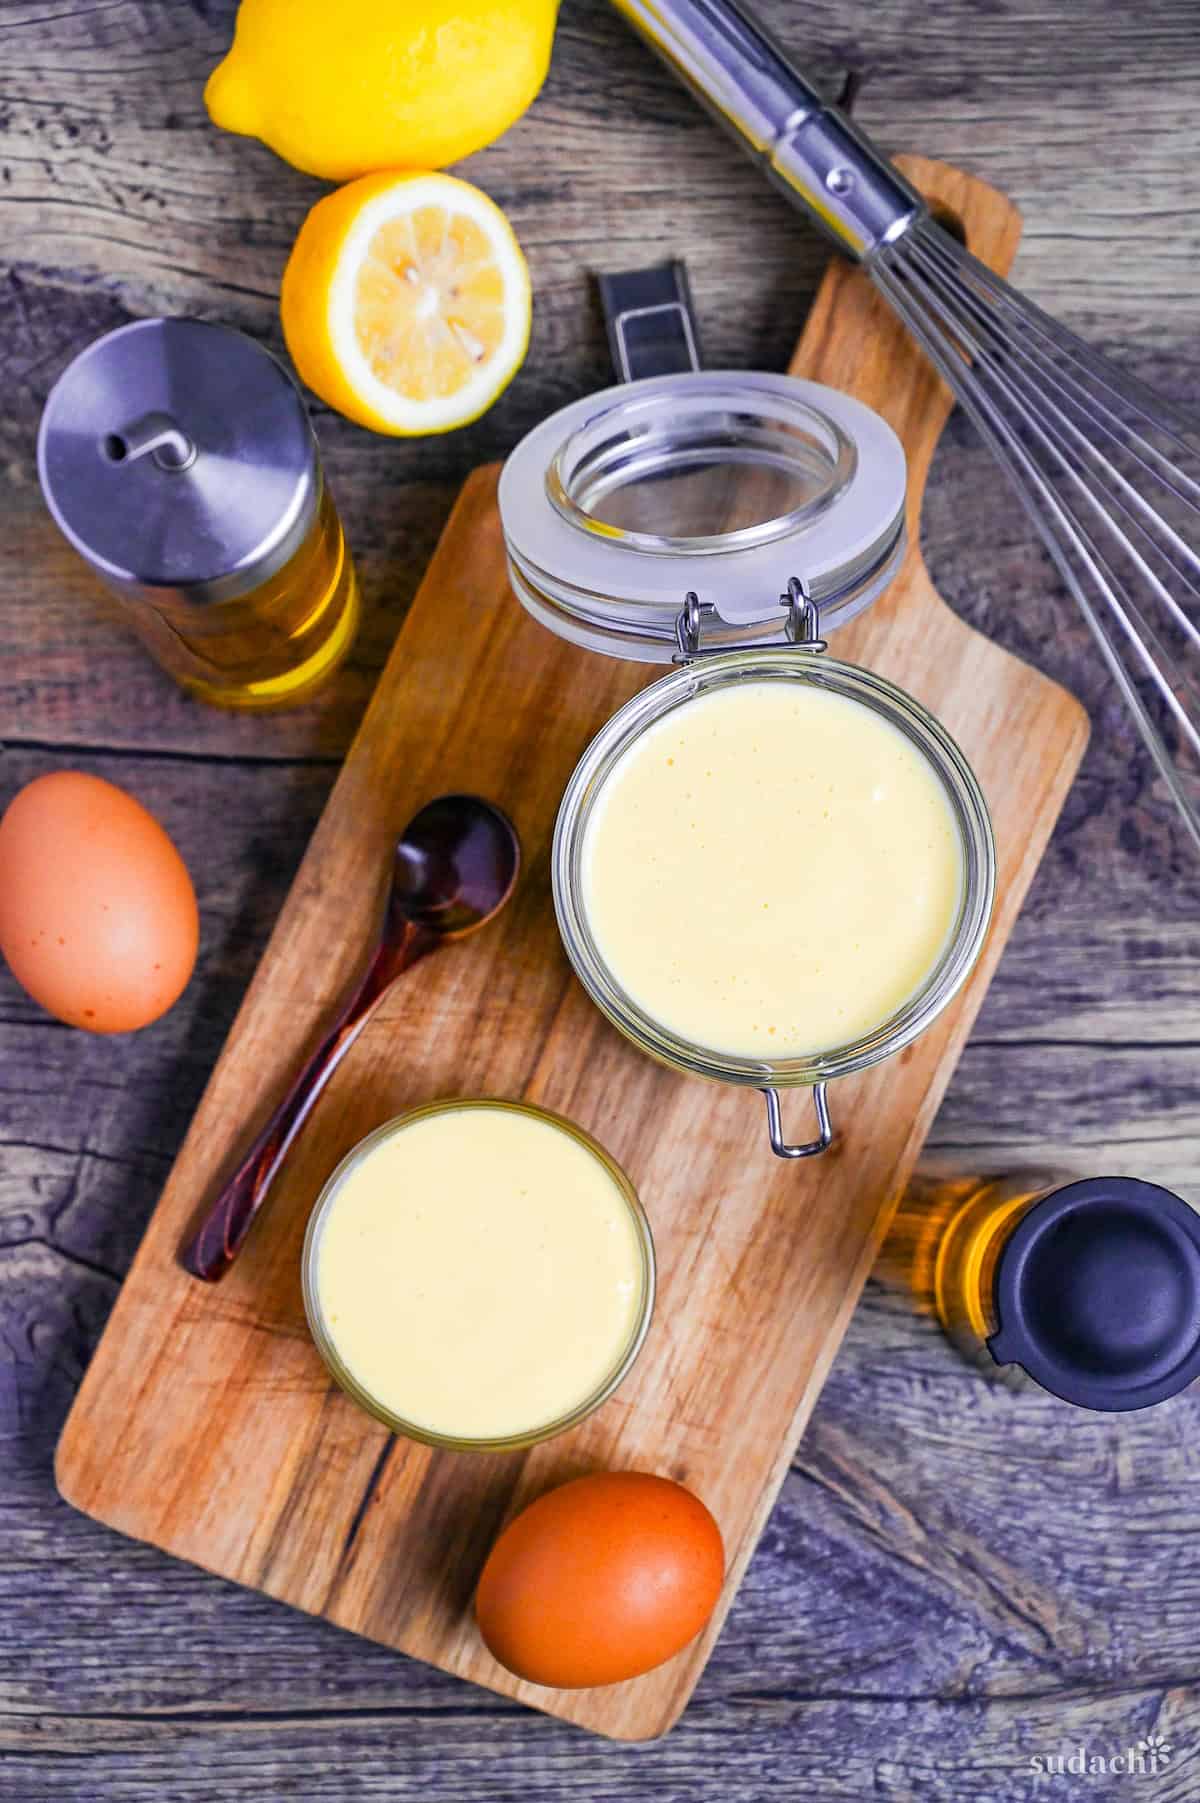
{"type": "Point", "coordinates": [1089, 576]}
{"type": "Point", "coordinates": [1084, 450]}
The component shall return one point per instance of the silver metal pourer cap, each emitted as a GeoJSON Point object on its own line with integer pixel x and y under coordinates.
{"type": "Point", "coordinates": [177, 458]}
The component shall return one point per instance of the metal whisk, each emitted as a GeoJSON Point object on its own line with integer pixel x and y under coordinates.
{"type": "Point", "coordinates": [1106, 468]}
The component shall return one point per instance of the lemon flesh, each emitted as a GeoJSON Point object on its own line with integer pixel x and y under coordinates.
{"type": "Point", "coordinates": [406, 302]}
{"type": "Point", "coordinates": [341, 90]}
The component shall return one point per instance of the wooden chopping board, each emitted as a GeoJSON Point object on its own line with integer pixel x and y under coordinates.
{"type": "Point", "coordinates": [206, 1423]}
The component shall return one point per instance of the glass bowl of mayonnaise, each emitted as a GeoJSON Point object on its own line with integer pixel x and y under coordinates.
{"type": "Point", "coordinates": [773, 869]}
{"type": "Point", "coordinates": [479, 1274]}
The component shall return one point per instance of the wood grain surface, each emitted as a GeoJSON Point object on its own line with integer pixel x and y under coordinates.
{"type": "Point", "coordinates": [954, 1579]}
{"type": "Point", "coordinates": [207, 1424]}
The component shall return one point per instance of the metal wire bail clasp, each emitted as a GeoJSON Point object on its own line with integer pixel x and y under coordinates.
{"type": "Point", "coordinates": [801, 629]}
{"type": "Point", "coordinates": [803, 624]}
{"type": "Point", "coordinates": [779, 1144]}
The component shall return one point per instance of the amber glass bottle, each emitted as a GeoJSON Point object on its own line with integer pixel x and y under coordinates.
{"type": "Point", "coordinates": [1088, 1286]}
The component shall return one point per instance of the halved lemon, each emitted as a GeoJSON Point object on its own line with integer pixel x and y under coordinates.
{"type": "Point", "coordinates": [406, 302]}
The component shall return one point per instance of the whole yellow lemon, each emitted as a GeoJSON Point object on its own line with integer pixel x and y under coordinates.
{"type": "Point", "coordinates": [342, 89]}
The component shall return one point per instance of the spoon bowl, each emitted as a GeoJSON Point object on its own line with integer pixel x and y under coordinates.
{"type": "Point", "coordinates": [455, 865]}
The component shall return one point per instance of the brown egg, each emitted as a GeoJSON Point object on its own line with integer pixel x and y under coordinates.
{"type": "Point", "coordinates": [600, 1580]}
{"type": "Point", "coordinates": [97, 912]}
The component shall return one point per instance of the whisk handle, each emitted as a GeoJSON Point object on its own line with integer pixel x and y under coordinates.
{"type": "Point", "coordinates": [810, 149]}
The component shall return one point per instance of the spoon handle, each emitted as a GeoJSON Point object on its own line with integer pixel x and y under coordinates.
{"type": "Point", "coordinates": [219, 1239]}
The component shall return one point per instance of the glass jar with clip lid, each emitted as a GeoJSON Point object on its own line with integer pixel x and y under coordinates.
{"type": "Point", "coordinates": [770, 868]}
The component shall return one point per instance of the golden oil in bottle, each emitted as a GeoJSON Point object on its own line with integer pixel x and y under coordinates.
{"type": "Point", "coordinates": [273, 646]}
{"type": "Point", "coordinates": [968, 1251]}
{"type": "Point", "coordinates": [1086, 1287]}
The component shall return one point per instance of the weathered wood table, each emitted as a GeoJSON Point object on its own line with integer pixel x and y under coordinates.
{"type": "Point", "coordinates": [958, 1580]}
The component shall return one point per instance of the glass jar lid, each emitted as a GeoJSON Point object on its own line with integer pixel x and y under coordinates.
{"type": "Point", "coordinates": [725, 485]}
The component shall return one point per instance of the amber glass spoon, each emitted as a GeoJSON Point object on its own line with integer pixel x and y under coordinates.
{"type": "Point", "coordinates": [455, 866]}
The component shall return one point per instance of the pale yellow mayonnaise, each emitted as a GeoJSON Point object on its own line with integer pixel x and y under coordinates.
{"type": "Point", "coordinates": [480, 1272]}
{"type": "Point", "coordinates": [771, 870]}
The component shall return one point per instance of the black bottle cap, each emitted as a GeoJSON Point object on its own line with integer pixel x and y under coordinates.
{"type": "Point", "coordinates": [1097, 1294]}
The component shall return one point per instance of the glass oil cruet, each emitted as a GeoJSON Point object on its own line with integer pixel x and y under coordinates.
{"type": "Point", "coordinates": [177, 458]}
{"type": "Point", "coordinates": [1087, 1287]}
